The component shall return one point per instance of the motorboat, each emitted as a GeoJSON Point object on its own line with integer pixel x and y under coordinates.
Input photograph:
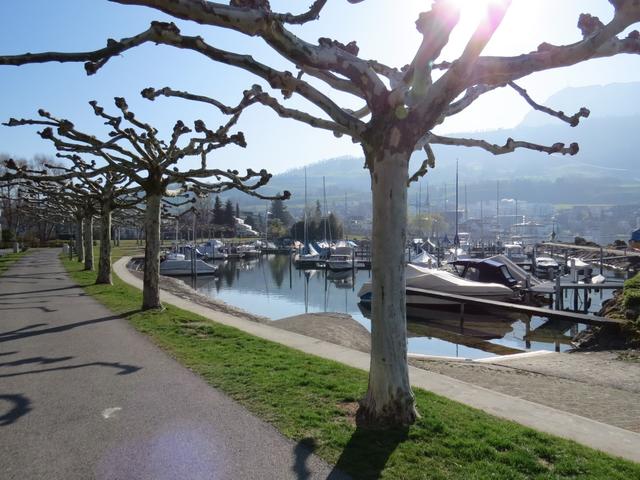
{"type": "Point", "coordinates": [485, 270]}
{"type": "Point", "coordinates": [338, 262]}
{"type": "Point", "coordinates": [174, 256]}
{"type": "Point", "coordinates": [341, 257]}
{"type": "Point", "coordinates": [213, 250]}
{"type": "Point", "coordinates": [419, 279]}
{"type": "Point", "coordinates": [248, 251]}
{"type": "Point", "coordinates": [180, 267]}
{"type": "Point", "coordinates": [546, 267]}
{"type": "Point", "coordinates": [423, 259]}
{"type": "Point", "coordinates": [515, 252]}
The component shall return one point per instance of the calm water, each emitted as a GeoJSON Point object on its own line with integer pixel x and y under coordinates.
{"type": "Point", "coordinates": [274, 288]}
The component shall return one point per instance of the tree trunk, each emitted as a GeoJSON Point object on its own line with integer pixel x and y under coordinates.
{"type": "Point", "coordinates": [88, 242]}
{"type": "Point", "coordinates": [80, 240]}
{"type": "Point", "coordinates": [104, 262]}
{"type": "Point", "coordinates": [389, 401]}
{"type": "Point", "coordinates": [151, 289]}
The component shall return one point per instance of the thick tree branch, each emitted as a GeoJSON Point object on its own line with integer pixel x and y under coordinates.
{"type": "Point", "coordinates": [509, 146]}
{"type": "Point", "coordinates": [572, 120]}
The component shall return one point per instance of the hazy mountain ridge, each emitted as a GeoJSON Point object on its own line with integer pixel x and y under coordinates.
{"type": "Point", "coordinates": [604, 171]}
{"type": "Point", "coordinates": [603, 101]}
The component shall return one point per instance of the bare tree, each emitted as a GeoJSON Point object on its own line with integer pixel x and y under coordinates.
{"type": "Point", "coordinates": [400, 108]}
{"type": "Point", "coordinates": [136, 153]}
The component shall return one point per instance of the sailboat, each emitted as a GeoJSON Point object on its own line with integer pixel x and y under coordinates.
{"type": "Point", "coordinates": [309, 257]}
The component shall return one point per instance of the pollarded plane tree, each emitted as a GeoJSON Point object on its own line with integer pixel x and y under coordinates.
{"type": "Point", "coordinates": [61, 189]}
{"type": "Point", "coordinates": [399, 109]}
{"type": "Point", "coordinates": [133, 150]}
{"type": "Point", "coordinates": [107, 189]}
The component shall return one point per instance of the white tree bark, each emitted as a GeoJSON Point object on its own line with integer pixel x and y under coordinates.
{"type": "Point", "coordinates": [88, 242]}
{"type": "Point", "coordinates": [389, 400]}
{"type": "Point", "coordinates": [80, 240]}
{"type": "Point", "coordinates": [104, 262]}
{"type": "Point", "coordinates": [151, 290]}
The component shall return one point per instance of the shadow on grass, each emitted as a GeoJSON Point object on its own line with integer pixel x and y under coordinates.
{"type": "Point", "coordinates": [368, 451]}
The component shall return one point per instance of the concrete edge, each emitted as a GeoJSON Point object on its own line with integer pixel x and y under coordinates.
{"type": "Point", "coordinates": [501, 358]}
{"type": "Point", "coordinates": [600, 436]}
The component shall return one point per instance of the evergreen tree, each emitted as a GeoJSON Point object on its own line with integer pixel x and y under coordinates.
{"type": "Point", "coordinates": [237, 210]}
{"type": "Point", "coordinates": [279, 211]}
{"type": "Point", "coordinates": [317, 214]}
{"type": "Point", "coordinates": [228, 216]}
{"type": "Point", "coordinates": [218, 212]}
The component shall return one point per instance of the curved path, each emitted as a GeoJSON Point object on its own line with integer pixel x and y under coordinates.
{"type": "Point", "coordinates": [83, 395]}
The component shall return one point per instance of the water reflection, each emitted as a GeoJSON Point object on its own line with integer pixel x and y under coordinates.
{"type": "Point", "coordinates": [271, 286]}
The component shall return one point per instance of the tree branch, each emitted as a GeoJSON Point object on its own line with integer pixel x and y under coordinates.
{"type": "Point", "coordinates": [572, 120]}
{"type": "Point", "coordinates": [509, 146]}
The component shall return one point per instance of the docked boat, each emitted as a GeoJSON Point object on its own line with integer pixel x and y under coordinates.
{"type": "Point", "coordinates": [419, 279]}
{"type": "Point", "coordinates": [182, 267]}
{"type": "Point", "coordinates": [339, 262]}
{"type": "Point", "coordinates": [515, 252]}
{"type": "Point", "coordinates": [485, 270]}
{"type": "Point", "coordinates": [308, 258]}
{"type": "Point", "coordinates": [546, 267]}
{"type": "Point", "coordinates": [423, 259]}
{"type": "Point", "coordinates": [213, 250]}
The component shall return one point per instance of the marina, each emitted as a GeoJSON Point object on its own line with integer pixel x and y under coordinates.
{"type": "Point", "coordinates": [271, 286]}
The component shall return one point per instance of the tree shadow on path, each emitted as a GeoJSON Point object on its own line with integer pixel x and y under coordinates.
{"type": "Point", "coordinates": [21, 406]}
{"type": "Point", "coordinates": [125, 369]}
{"type": "Point", "coordinates": [27, 332]}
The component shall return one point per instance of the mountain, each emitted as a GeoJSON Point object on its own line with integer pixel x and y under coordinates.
{"type": "Point", "coordinates": [604, 171]}
{"type": "Point", "coordinates": [603, 101]}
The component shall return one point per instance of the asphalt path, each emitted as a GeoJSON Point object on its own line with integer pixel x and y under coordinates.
{"type": "Point", "coordinates": [83, 395]}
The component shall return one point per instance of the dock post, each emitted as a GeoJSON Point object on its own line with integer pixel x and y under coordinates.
{"type": "Point", "coordinates": [601, 260]}
{"type": "Point", "coordinates": [558, 292]}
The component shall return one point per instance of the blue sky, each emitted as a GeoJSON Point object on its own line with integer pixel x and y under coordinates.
{"type": "Point", "coordinates": [384, 30]}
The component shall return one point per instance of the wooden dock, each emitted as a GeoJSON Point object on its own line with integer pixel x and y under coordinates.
{"type": "Point", "coordinates": [583, 318]}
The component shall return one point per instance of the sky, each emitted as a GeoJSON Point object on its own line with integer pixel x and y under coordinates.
{"type": "Point", "coordinates": [384, 30]}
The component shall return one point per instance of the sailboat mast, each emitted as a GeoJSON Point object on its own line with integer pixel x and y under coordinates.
{"type": "Point", "coordinates": [481, 221]}
{"type": "Point", "coordinates": [456, 239]}
{"type": "Point", "coordinates": [498, 206]}
{"type": "Point", "coordinates": [344, 229]}
{"type": "Point", "coordinates": [326, 216]}
{"type": "Point", "coordinates": [305, 207]}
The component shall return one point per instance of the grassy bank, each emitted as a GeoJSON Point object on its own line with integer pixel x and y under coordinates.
{"type": "Point", "coordinates": [312, 401]}
{"type": "Point", "coordinates": [9, 258]}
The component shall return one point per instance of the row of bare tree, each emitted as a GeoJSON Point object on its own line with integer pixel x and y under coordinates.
{"type": "Point", "coordinates": [400, 107]}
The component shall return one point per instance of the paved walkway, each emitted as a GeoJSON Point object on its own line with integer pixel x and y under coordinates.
{"type": "Point", "coordinates": [83, 395]}
{"type": "Point", "coordinates": [608, 438]}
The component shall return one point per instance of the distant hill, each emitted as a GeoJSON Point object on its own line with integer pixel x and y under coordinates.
{"type": "Point", "coordinates": [606, 170]}
{"type": "Point", "coordinates": [604, 101]}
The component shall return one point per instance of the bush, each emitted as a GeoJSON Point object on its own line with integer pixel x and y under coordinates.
{"type": "Point", "coordinates": [633, 283]}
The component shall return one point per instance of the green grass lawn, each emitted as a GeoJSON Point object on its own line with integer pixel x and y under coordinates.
{"type": "Point", "coordinates": [9, 258]}
{"type": "Point", "coordinates": [312, 400]}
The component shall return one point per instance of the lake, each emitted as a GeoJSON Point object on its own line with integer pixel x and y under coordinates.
{"type": "Point", "coordinates": [271, 286]}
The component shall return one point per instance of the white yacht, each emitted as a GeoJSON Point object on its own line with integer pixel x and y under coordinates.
{"type": "Point", "coordinates": [181, 267]}
{"type": "Point", "coordinates": [213, 250]}
{"type": "Point", "coordinates": [419, 279]}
